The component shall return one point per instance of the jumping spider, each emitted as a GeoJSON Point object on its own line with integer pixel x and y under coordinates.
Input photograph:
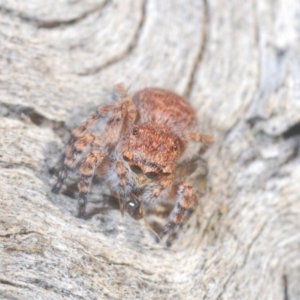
{"type": "Point", "coordinates": [139, 154]}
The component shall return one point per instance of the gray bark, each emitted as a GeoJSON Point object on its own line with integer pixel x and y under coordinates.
{"type": "Point", "coordinates": [238, 64]}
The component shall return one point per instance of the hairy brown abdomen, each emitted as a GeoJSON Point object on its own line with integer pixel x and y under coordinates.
{"type": "Point", "coordinates": [165, 108]}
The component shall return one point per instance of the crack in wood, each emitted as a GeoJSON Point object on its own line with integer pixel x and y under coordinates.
{"type": "Point", "coordinates": [252, 243]}
{"type": "Point", "coordinates": [131, 46]}
{"type": "Point", "coordinates": [285, 287]}
{"type": "Point", "coordinates": [8, 282]}
{"type": "Point", "coordinates": [202, 50]}
{"type": "Point", "coordinates": [18, 112]}
{"type": "Point", "coordinates": [293, 131]}
{"type": "Point", "coordinates": [50, 24]}
{"type": "Point", "coordinates": [47, 286]}
{"type": "Point", "coordinates": [244, 262]}
{"type": "Point", "coordinates": [226, 284]}
{"type": "Point", "coordinates": [9, 235]}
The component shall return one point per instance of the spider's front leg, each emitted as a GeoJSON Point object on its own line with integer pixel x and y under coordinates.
{"type": "Point", "coordinates": [166, 190]}
{"type": "Point", "coordinates": [185, 200]}
{"type": "Point", "coordinates": [186, 187]}
{"type": "Point", "coordinates": [119, 117]}
{"type": "Point", "coordinates": [188, 193]}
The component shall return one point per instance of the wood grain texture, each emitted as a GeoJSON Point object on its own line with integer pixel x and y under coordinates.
{"type": "Point", "coordinates": [237, 62]}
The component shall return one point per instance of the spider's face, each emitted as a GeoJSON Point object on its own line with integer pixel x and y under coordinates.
{"type": "Point", "coordinates": [151, 149]}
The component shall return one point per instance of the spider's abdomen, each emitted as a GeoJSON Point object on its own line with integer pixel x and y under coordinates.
{"type": "Point", "coordinates": [165, 108]}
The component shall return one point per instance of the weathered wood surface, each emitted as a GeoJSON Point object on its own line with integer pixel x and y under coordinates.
{"type": "Point", "coordinates": [237, 62]}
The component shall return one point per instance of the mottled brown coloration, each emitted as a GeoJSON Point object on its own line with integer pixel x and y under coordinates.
{"type": "Point", "coordinates": [80, 130]}
{"type": "Point", "coordinates": [166, 109]}
{"type": "Point", "coordinates": [152, 147]}
{"type": "Point", "coordinates": [88, 165]}
{"type": "Point", "coordinates": [92, 140]}
{"type": "Point", "coordinates": [140, 146]}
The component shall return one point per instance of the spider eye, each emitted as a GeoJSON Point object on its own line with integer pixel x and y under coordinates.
{"type": "Point", "coordinates": [152, 175]}
{"type": "Point", "coordinates": [136, 169]}
{"type": "Point", "coordinates": [166, 173]}
{"type": "Point", "coordinates": [135, 131]}
{"type": "Point", "coordinates": [175, 148]}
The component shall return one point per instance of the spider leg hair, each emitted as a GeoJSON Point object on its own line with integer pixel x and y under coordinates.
{"type": "Point", "coordinates": [120, 116]}
{"type": "Point", "coordinates": [185, 199]}
{"type": "Point", "coordinates": [87, 169]}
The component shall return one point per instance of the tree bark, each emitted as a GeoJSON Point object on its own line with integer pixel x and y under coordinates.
{"type": "Point", "coordinates": [238, 64]}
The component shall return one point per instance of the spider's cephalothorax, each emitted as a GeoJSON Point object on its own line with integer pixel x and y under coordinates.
{"type": "Point", "coordinates": [138, 154]}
